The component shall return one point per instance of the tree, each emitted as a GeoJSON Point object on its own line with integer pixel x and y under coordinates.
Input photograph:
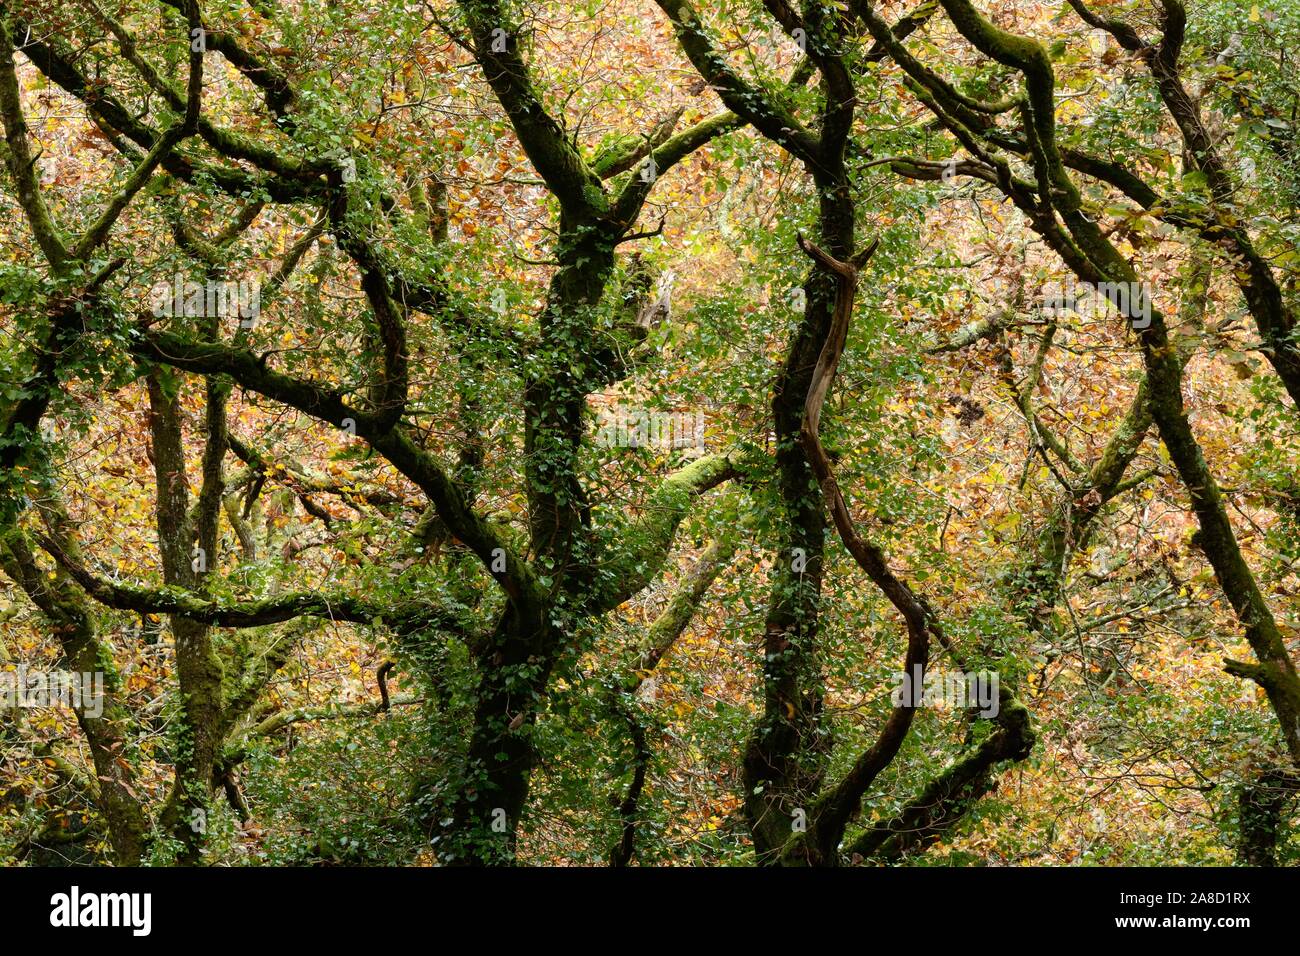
{"type": "Point", "coordinates": [382, 307]}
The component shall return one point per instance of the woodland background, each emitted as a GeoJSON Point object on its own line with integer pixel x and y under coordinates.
{"type": "Point", "coordinates": [367, 585]}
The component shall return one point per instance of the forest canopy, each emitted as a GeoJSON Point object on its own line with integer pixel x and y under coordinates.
{"type": "Point", "coordinates": [643, 432]}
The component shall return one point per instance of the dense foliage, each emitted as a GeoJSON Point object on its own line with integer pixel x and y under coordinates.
{"type": "Point", "coordinates": [470, 431]}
